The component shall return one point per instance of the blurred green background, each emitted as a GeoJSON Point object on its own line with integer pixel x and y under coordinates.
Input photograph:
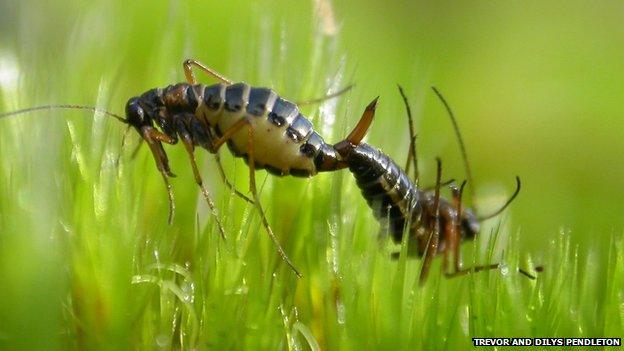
{"type": "Point", "coordinates": [537, 90]}
{"type": "Point", "coordinates": [536, 87]}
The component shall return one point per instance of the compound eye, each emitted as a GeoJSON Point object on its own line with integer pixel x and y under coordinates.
{"type": "Point", "coordinates": [135, 113]}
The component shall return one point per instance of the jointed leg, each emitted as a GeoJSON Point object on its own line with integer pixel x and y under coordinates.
{"type": "Point", "coordinates": [190, 76]}
{"type": "Point", "coordinates": [454, 239]}
{"type": "Point", "coordinates": [452, 231]}
{"type": "Point", "coordinates": [434, 229]}
{"type": "Point", "coordinates": [229, 133]}
{"type": "Point", "coordinates": [475, 269]}
{"type": "Point", "coordinates": [326, 97]}
{"type": "Point", "coordinates": [153, 139]}
{"type": "Point", "coordinates": [188, 145]}
{"type": "Point", "coordinates": [265, 222]}
{"type": "Point", "coordinates": [215, 148]}
{"type": "Point", "coordinates": [227, 182]}
{"type": "Point", "coordinates": [448, 235]}
{"type": "Point", "coordinates": [456, 230]}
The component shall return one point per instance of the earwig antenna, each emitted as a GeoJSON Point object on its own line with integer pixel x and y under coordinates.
{"type": "Point", "coordinates": [412, 144]}
{"type": "Point", "coordinates": [462, 146]}
{"type": "Point", "coordinates": [511, 198]}
{"type": "Point", "coordinates": [65, 107]}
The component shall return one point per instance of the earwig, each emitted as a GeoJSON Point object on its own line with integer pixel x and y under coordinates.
{"type": "Point", "coordinates": [401, 206]}
{"type": "Point", "coordinates": [258, 125]}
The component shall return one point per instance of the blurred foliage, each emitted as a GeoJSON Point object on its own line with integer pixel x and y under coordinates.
{"type": "Point", "coordinates": [536, 87]}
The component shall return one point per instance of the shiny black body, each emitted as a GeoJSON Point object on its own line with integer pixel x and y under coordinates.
{"type": "Point", "coordinates": [397, 202]}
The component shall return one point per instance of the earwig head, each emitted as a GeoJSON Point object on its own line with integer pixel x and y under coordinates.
{"type": "Point", "coordinates": [469, 224]}
{"type": "Point", "coordinates": [345, 146]}
{"type": "Point", "coordinates": [135, 115]}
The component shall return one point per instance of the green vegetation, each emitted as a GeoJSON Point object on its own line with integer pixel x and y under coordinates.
{"type": "Point", "coordinates": [87, 259]}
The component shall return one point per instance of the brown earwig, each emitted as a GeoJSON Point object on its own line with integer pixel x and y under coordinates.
{"type": "Point", "coordinates": [434, 224]}
{"type": "Point", "coordinates": [258, 125]}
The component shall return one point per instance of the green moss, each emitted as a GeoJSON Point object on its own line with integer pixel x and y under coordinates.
{"type": "Point", "coordinates": [87, 258]}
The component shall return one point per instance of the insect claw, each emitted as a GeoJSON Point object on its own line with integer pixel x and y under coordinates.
{"type": "Point", "coordinates": [373, 105]}
{"type": "Point", "coordinates": [360, 130]}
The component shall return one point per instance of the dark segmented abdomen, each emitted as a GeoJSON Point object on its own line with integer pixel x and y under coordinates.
{"type": "Point", "coordinates": [386, 187]}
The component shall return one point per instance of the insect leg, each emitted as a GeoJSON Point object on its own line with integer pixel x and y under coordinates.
{"type": "Point", "coordinates": [217, 144]}
{"type": "Point", "coordinates": [236, 127]}
{"type": "Point", "coordinates": [452, 229]}
{"type": "Point", "coordinates": [190, 76]}
{"type": "Point", "coordinates": [154, 139]}
{"type": "Point", "coordinates": [434, 229]}
{"type": "Point", "coordinates": [252, 187]}
{"type": "Point", "coordinates": [454, 238]}
{"type": "Point", "coordinates": [326, 97]}
{"type": "Point", "coordinates": [229, 133]}
{"type": "Point", "coordinates": [456, 227]}
{"type": "Point", "coordinates": [449, 235]}
{"type": "Point", "coordinates": [475, 269]}
{"type": "Point", "coordinates": [188, 145]}
{"type": "Point", "coordinates": [458, 269]}
{"type": "Point", "coordinates": [227, 182]}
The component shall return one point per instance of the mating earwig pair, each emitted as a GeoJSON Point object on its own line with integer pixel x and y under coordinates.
{"type": "Point", "coordinates": [270, 133]}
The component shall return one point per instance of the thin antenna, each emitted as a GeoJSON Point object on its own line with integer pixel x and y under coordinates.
{"type": "Point", "coordinates": [462, 146]}
{"type": "Point", "coordinates": [412, 145]}
{"type": "Point", "coordinates": [66, 107]}
{"type": "Point", "coordinates": [511, 198]}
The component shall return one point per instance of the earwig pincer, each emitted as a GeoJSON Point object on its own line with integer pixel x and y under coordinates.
{"type": "Point", "coordinates": [257, 124]}
{"type": "Point", "coordinates": [434, 224]}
